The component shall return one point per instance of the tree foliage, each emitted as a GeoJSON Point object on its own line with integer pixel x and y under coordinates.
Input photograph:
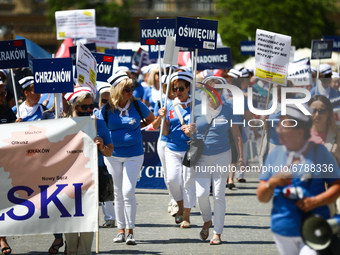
{"type": "Point", "coordinates": [109, 14]}
{"type": "Point", "coordinates": [303, 20]}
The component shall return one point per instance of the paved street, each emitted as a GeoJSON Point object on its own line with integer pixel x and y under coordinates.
{"type": "Point", "coordinates": [246, 229]}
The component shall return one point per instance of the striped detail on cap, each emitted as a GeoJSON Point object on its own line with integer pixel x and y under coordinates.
{"type": "Point", "coordinates": [26, 81]}
{"type": "Point", "coordinates": [296, 113]}
{"type": "Point", "coordinates": [165, 79]}
{"type": "Point", "coordinates": [103, 86]}
{"type": "Point", "coordinates": [117, 78]}
{"type": "Point", "coordinates": [71, 96]}
{"type": "Point", "coordinates": [220, 79]}
{"type": "Point", "coordinates": [182, 76]}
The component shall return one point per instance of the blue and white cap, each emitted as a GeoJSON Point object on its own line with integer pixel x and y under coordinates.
{"type": "Point", "coordinates": [234, 73]}
{"type": "Point", "coordinates": [121, 69]}
{"type": "Point", "coordinates": [117, 78]}
{"type": "Point", "coordinates": [26, 81]}
{"type": "Point", "coordinates": [187, 76]}
{"type": "Point", "coordinates": [4, 71]}
{"type": "Point", "coordinates": [296, 113]}
{"type": "Point", "coordinates": [103, 87]}
{"type": "Point", "coordinates": [165, 79]}
{"type": "Point", "coordinates": [325, 69]}
{"type": "Point", "coordinates": [71, 96]}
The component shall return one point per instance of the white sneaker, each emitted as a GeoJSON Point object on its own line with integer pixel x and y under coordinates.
{"type": "Point", "coordinates": [120, 238]}
{"type": "Point", "coordinates": [174, 209]}
{"type": "Point", "coordinates": [130, 240]}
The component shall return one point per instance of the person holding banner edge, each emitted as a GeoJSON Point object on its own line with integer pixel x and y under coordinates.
{"type": "Point", "coordinates": [123, 115]}
{"type": "Point", "coordinates": [82, 102]}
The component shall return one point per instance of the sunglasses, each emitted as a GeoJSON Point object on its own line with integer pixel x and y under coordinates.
{"type": "Point", "coordinates": [129, 89]}
{"type": "Point", "coordinates": [320, 111]}
{"type": "Point", "coordinates": [181, 89]}
{"type": "Point", "coordinates": [104, 101]}
{"type": "Point", "coordinates": [84, 107]}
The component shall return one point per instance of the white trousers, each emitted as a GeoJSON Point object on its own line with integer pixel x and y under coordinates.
{"type": "Point", "coordinates": [216, 176]}
{"type": "Point", "coordinates": [79, 243]}
{"type": "Point", "coordinates": [161, 145]}
{"type": "Point", "coordinates": [180, 179]}
{"type": "Point", "coordinates": [125, 173]}
{"type": "Point", "coordinates": [292, 246]}
{"type": "Point", "coordinates": [108, 210]}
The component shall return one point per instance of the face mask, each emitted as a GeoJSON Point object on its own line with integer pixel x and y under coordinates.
{"type": "Point", "coordinates": [82, 114]}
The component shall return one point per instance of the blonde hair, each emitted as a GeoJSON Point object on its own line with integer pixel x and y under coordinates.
{"type": "Point", "coordinates": [151, 79]}
{"type": "Point", "coordinates": [116, 93]}
{"type": "Point", "coordinates": [78, 101]}
{"type": "Point", "coordinates": [101, 105]}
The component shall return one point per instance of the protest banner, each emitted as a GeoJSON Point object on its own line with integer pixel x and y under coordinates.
{"type": "Point", "coordinates": [155, 31]}
{"type": "Point", "coordinates": [196, 33]}
{"type": "Point", "coordinates": [141, 58]}
{"type": "Point", "coordinates": [104, 66]}
{"type": "Point", "coordinates": [336, 46]}
{"type": "Point", "coordinates": [300, 74]}
{"type": "Point", "coordinates": [322, 49]}
{"type": "Point", "coordinates": [13, 54]}
{"type": "Point", "coordinates": [153, 51]}
{"type": "Point", "coordinates": [76, 24]}
{"type": "Point", "coordinates": [217, 59]}
{"type": "Point", "coordinates": [86, 67]}
{"type": "Point", "coordinates": [48, 177]}
{"type": "Point", "coordinates": [272, 56]}
{"type": "Point", "coordinates": [122, 57]}
{"type": "Point", "coordinates": [73, 51]}
{"type": "Point", "coordinates": [107, 38]}
{"type": "Point", "coordinates": [248, 48]}
{"type": "Point", "coordinates": [53, 75]}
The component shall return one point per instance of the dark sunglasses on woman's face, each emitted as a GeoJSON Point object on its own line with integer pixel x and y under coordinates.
{"type": "Point", "coordinates": [129, 89]}
{"type": "Point", "coordinates": [181, 89]}
{"type": "Point", "coordinates": [84, 107]}
{"type": "Point", "coordinates": [320, 111]}
{"type": "Point", "coordinates": [104, 101]}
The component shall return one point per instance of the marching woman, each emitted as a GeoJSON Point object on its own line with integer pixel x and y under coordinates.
{"type": "Point", "coordinates": [216, 155]}
{"type": "Point", "coordinates": [180, 178]}
{"type": "Point", "coordinates": [152, 93]}
{"type": "Point", "coordinates": [82, 102]}
{"type": "Point", "coordinates": [123, 115]}
{"type": "Point", "coordinates": [30, 109]}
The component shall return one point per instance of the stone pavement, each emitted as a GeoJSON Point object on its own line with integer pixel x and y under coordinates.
{"type": "Point", "coordinates": [246, 229]}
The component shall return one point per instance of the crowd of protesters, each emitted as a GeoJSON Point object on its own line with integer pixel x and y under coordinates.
{"type": "Point", "coordinates": [130, 100]}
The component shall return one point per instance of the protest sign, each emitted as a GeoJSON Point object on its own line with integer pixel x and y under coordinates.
{"type": "Point", "coordinates": [272, 56]}
{"type": "Point", "coordinates": [76, 24]}
{"type": "Point", "coordinates": [104, 66]}
{"type": "Point", "coordinates": [300, 74]}
{"type": "Point", "coordinates": [122, 57]}
{"type": "Point", "coordinates": [248, 48]}
{"type": "Point", "coordinates": [196, 33]}
{"type": "Point", "coordinates": [322, 49]}
{"type": "Point", "coordinates": [141, 58]}
{"type": "Point", "coordinates": [153, 51]}
{"type": "Point", "coordinates": [217, 59]}
{"type": "Point", "coordinates": [48, 177]}
{"type": "Point", "coordinates": [336, 41]}
{"type": "Point", "coordinates": [13, 54]}
{"type": "Point", "coordinates": [155, 31]}
{"type": "Point", "coordinates": [107, 38]}
{"type": "Point", "coordinates": [53, 75]}
{"type": "Point", "coordinates": [86, 67]}
{"type": "Point", "coordinates": [73, 51]}
{"type": "Point", "coordinates": [34, 49]}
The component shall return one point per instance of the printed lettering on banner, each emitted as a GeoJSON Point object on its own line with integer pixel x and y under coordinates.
{"type": "Point", "coordinates": [86, 67]}
{"type": "Point", "coordinates": [13, 54]}
{"type": "Point", "coordinates": [300, 74]}
{"type": "Point", "coordinates": [104, 66]}
{"type": "Point", "coordinates": [336, 41]}
{"type": "Point", "coordinates": [122, 57]}
{"type": "Point", "coordinates": [153, 51]}
{"type": "Point", "coordinates": [107, 38]}
{"type": "Point", "coordinates": [76, 24]}
{"type": "Point", "coordinates": [217, 59]}
{"type": "Point", "coordinates": [48, 177]}
{"type": "Point", "coordinates": [196, 33]}
{"type": "Point", "coordinates": [155, 31]}
{"type": "Point", "coordinates": [322, 49]}
{"type": "Point", "coordinates": [272, 56]}
{"type": "Point", "coordinates": [53, 75]}
{"type": "Point", "coordinates": [248, 48]}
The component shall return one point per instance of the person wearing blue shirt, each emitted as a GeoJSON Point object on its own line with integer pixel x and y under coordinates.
{"type": "Point", "coordinates": [322, 86]}
{"type": "Point", "coordinates": [152, 94]}
{"type": "Point", "coordinates": [30, 109]}
{"type": "Point", "coordinates": [215, 161]}
{"type": "Point", "coordinates": [82, 101]}
{"type": "Point", "coordinates": [124, 122]}
{"type": "Point", "coordinates": [295, 175]}
{"type": "Point", "coordinates": [180, 178]}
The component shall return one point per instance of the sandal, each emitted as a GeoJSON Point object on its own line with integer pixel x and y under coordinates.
{"type": "Point", "coordinates": [185, 224]}
{"type": "Point", "coordinates": [54, 249]}
{"type": "Point", "coordinates": [7, 249]}
{"type": "Point", "coordinates": [215, 241]}
{"type": "Point", "coordinates": [241, 180]}
{"type": "Point", "coordinates": [205, 232]}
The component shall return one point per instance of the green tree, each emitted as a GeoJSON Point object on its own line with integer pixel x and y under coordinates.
{"type": "Point", "coordinates": [303, 20]}
{"type": "Point", "coordinates": [109, 14]}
